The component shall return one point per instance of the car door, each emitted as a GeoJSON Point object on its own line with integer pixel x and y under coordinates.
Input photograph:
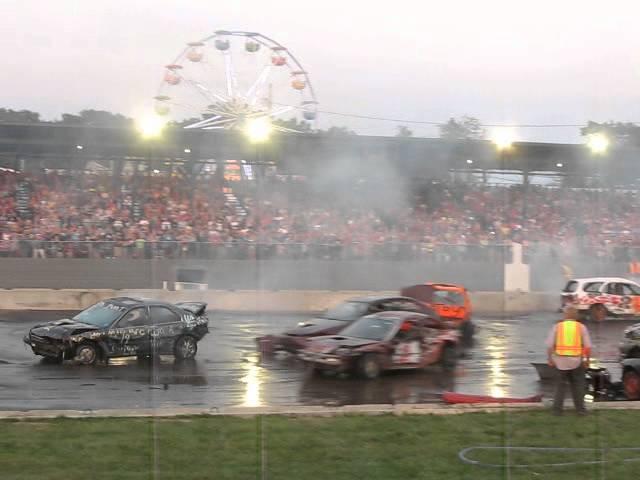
{"type": "Point", "coordinates": [407, 345]}
{"type": "Point", "coordinates": [166, 328]}
{"type": "Point", "coordinates": [130, 334]}
{"type": "Point", "coordinates": [630, 304]}
{"type": "Point", "coordinates": [613, 300]}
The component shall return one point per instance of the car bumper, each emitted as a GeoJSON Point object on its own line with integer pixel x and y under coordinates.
{"type": "Point", "coordinates": [44, 346]}
{"type": "Point", "coordinates": [327, 362]}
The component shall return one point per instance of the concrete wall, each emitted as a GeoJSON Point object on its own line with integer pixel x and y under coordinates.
{"type": "Point", "coordinates": [82, 273]}
{"type": "Point", "coordinates": [245, 274]}
{"type": "Point", "coordinates": [547, 274]}
{"type": "Point", "coordinates": [259, 300]}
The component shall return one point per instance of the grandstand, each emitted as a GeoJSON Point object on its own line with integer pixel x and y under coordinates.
{"type": "Point", "coordinates": [105, 193]}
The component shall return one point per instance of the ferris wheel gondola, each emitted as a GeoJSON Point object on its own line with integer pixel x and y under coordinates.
{"type": "Point", "coordinates": [232, 77]}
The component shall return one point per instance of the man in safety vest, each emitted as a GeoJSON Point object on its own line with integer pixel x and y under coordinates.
{"type": "Point", "coordinates": [568, 348]}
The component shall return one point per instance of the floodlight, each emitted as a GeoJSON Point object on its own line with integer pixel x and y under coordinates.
{"type": "Point", "coordinates": [503, 138]}
{"type": "Point", "coordinates": [598, 143]}
{"type": "Point", "coordinates": [258, 129]}
{"type": "Point", "coordinates": [150, 126]}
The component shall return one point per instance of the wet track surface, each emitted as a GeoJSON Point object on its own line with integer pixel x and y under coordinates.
{"type": "Point", "coordinates": [228, 371]}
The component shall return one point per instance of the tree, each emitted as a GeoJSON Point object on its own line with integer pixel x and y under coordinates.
{"type": "Point", "coordinates": [464, 128]}
{"type": "Point", "coordinates": [337, 131]}
{"type": "Point", "coordinates": [96, 118]}
{"type": "Point", "coordinates": [18, 116]}
{"type": "Point", "coordinates": [618, 132]}
{"type": "Point", "coordinates": [403, 131]}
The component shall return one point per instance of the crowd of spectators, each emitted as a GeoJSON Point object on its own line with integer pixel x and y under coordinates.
{"type": "Point", "coordinates": [60, 215]}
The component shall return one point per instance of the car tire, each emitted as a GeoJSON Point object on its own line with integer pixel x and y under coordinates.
{"type": "Point", "coordinates": [631, 384]}
{"type": "Point", "coordinates": [597, 313]}
{"type": "Point", "coordinates": [368, 366]}
{"type": "Point", "coordinates": [448, 357]}
{"type": "Point", "coordinates": [87, 354]}
{"type": "Point", "coordinates": [185, 348]}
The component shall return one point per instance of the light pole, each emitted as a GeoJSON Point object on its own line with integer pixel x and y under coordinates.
{"type": "Point", "coordinates": [258, 131]}
{"type": "Point", "coordinates": [503, 140]}
{"type": "Point", "coordinates": [598, 143]}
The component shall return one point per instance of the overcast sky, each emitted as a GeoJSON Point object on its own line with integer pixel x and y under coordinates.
{"type": "Point", "coordinates": [517, 61]}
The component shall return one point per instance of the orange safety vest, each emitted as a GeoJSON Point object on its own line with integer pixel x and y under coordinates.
{"type": "Point", "coordinates": [634, 267]}
{"type": "Point", "coordinates": [568, 339]}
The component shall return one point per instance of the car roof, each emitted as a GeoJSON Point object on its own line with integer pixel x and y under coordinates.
{"type": "Point", "coordinates": [379, 298]}
{"type": "Point", "coordinates": [444, 285]}
{"type": "Point", "coordinates": [135, 302]}
{"type": "Point", "coordinates": [601, 279]}
{"type": "Point", "coordinates": [396, 315]}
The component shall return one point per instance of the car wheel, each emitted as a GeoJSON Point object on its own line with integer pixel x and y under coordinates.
{"type": "Point", "coordinates": [631, 384]}
{"type": "Point", "coordinates": [369, 366]}
{"type": "Point", "coordinates": [597, 313]}
{"type": "Point", "coordinates": [449, 357]}
{"type": "Point", "coordinates": [87, 354]}
{"type": "Point", "coordinates": [185, 348]}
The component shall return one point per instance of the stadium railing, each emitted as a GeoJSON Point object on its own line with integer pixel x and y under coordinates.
{"type": "Point", "coordinates": [246, 250]}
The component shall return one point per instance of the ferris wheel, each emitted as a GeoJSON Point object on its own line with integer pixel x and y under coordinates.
{"type": "Point", "coordinates": [231, 78]}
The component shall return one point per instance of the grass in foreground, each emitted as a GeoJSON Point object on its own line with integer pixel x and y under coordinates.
{"type": "Point", "coordinates": [349, 447]}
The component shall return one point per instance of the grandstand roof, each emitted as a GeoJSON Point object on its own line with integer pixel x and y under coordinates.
{"type": "Point", "coordinates": [303, 153]}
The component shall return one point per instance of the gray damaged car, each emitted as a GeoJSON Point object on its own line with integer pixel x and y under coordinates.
{"type": "Point", "coordinates": [122, 327]}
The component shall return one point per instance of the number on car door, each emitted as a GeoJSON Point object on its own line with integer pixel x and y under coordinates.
{"type": "Point", "coordinates": [130, 335]}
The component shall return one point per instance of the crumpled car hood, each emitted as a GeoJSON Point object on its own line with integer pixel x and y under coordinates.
{"type": "Point", "coordinates": [61, 328]}
{"type": "Point", "coordinates": [317, 326]}
{"type": "Point", "coordinates": [633, 331]}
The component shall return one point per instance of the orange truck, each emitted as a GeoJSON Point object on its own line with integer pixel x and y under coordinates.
{"type": "Point", "coordinates": [449, 300]}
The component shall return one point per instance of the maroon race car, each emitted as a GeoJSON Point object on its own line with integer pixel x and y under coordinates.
{"type": "Point", "coordinates": [337, 318]}
{"type": "Point", "coordinates": [385, 341]}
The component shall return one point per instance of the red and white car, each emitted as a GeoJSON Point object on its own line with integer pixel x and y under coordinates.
{"type": "Point", "coordinates": [599, 297]}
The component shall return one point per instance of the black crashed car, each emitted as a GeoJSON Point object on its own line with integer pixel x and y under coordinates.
{"type": "Point", "coordinates": [630, 344]}
{"type": "Point", "coordinates": [122, 327]}
{"type": "Point", "coordinates": [337, 318]}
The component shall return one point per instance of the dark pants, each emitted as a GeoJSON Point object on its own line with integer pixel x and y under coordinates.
{"type": "Point", "coordinates": [576, 380]}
